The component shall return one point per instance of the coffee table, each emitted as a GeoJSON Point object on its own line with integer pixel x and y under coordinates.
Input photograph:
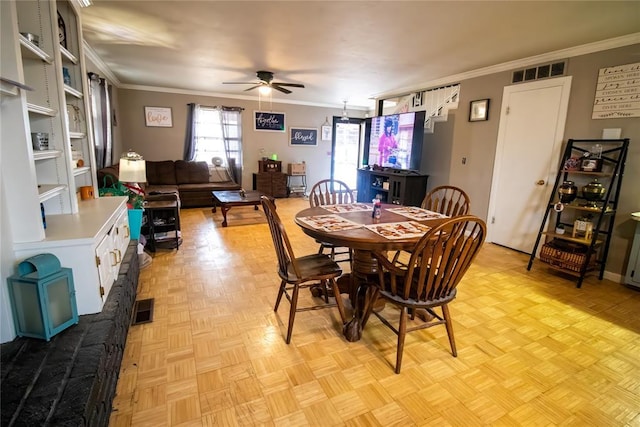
{"type": "Point", "coordinates": [228, 199]}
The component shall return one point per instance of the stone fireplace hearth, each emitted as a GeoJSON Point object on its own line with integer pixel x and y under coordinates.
{"type": "Point", "coordinates": [71, 380]}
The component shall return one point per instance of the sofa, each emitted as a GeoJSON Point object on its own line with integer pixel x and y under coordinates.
{"type": "Point", "coordinates": [190, 181]}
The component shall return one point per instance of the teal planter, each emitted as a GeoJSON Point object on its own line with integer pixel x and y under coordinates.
{"type": "Point", "coordinates": [135, 222]}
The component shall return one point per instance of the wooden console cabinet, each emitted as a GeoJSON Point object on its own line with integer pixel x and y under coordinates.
{"type": "Point", "coordinates": [271, 183]}
{"type": "Point", "coordinates": [392, 186]}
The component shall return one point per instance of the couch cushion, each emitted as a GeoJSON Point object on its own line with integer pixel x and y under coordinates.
{"type": "Point", "coordinates": [191, 172]}
{"type": "Point", "coordinates": [161, 173]}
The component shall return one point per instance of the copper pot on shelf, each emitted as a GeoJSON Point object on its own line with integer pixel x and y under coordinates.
{"type": "Point", "coordinates": [593, 192]}
{"type": "Point", "coordinates": [567, 192]}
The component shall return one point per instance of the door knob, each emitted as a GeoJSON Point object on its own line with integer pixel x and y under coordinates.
{"type": "Point", "coordinates": [540, 182]}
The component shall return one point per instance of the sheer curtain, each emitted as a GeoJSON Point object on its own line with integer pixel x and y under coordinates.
{"type": "Point", "coordinates": [231, 122]}
{"type": "Point", "coordinates": [215, 131]}
{"type": "Point", "coordinates": [101, 120]}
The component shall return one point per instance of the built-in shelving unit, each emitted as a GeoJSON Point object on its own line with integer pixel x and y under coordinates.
{"type": "Point", "coordinates": [43, 83]}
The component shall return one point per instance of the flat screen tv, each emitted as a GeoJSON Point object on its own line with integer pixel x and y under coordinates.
{"type": "Point", "coordinates": [394, 141]}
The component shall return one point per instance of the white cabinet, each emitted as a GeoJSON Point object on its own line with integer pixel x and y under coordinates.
{"type": "Point", "coordinates": [87, 245]}
{"type": "Point", "coordinates": [107, 263]}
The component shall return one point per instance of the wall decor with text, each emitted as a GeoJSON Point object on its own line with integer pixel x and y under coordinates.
{"type": "Point", "coordinates": [268, 121]}
{"type": "Point", "coordinates": [617, 92]}
{"type": "Point", "coordinates": [307, 137]}
{"type": "Point", "coordinates": [159, 117]}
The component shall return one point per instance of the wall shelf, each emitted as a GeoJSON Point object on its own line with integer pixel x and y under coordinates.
{"type": "Point", "coordinates": [30, 50]}
{"type": "Point", "coordinates": [42, 110]}
{"type": "Point", "coordinates": [586, 254]}
{"type": "Point", "coordinates": [46, 154]}
{"type": "Point", "coordinates": [72, 91]}
{"type": "Point", "coordinates": [48, 191]}
{"type": "Point", "coordinates": [68, 55]}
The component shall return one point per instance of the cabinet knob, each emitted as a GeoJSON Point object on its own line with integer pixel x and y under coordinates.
{"type": "Point", "coordinates": [540, 182]}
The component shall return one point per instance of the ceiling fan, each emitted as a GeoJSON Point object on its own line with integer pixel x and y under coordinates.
{"type": "Point", "coordinates": [265, 79]}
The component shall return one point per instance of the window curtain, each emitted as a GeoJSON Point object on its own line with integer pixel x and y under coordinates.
{"type": "Point", "coordinates": [191, 137]}
{"type": "Point", "coordinates": [101, 120]}
{"type": "Point", "coordinates": [232, 135]}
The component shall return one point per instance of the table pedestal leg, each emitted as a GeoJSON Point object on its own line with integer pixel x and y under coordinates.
{"type": "Point", "coordinates": [365, 269]}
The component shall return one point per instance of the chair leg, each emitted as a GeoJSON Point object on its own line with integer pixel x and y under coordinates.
{"type": "Point", "coordinates": [325, 291]}
{"type": "Point", "coordinates": [280, 293]}
{"type": "Point", "coordinates": [336, 294]}
{"type": "Point", "coordinates": [292, 312]}
{"type": "Point", "coordinates": [402, 332]}
{"type": "Point", "coordinates": [449, 325]}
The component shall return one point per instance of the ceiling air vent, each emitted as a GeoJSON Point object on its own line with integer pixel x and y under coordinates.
{"type": "Point", "coordinates": [539, 72]}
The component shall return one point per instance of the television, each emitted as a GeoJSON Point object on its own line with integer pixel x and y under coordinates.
{"type": "Point", "coordinates": [394, 141]}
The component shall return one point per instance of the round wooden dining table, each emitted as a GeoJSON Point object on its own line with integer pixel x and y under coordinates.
{"type": "Point", "coordinates": [363, 242]}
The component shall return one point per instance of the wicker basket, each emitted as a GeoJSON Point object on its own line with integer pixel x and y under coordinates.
{"type": "Point", "coordinates": [566, 255]}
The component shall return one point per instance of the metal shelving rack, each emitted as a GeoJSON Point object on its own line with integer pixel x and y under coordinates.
{"type": "Point", "coordinates": [613, 157]}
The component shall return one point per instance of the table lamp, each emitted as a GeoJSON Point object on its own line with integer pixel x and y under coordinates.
{"type": "Point", "coordinates": [132, 173]}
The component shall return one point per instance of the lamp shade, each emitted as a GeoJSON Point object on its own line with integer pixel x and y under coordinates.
{"type": "Point", "coordinates": [132, 168]}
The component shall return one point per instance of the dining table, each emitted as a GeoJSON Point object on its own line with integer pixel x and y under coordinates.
{"type": "Point", "coordinates": [354, 226]}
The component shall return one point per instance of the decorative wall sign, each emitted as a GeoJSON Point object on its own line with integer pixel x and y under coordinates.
{"type": "Point", "coordinates": [268, 121]}
{"type": "Point", "coordinates": [617, 92]}
{"type": "Point", "coordinates": [303, 136]}
{"type": "Point", "coordinates": [158, 117]}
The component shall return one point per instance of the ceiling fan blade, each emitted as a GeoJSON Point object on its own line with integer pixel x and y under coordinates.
{"type": "Point", "coordinates": [281, 89]}
{"type": "Point", "coordinates": [238, 83]}
{"type": "Point", "coordinates": [252, 87]}
{"type": "Point", "coordinates": [288, 84]}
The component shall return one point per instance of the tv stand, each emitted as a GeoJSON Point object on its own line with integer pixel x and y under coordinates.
{"type": "Point", "coordinates": [397, 186]}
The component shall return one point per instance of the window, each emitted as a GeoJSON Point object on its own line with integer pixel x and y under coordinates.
{"type": "Point", "coordinates": [211, 134]}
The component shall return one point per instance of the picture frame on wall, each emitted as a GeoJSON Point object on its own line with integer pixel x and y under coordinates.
{"type": "Point", "coordinates": [479, 110]}
{"type": "Point", "coordinates": [326, 132]}
{"type": "Point", "coordinates": [301, 136]}
{"type": "Point", "coordinates": [159, 117]}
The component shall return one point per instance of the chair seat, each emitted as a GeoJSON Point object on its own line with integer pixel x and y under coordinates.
{"type": "Point", "coordinates": [313, 267]}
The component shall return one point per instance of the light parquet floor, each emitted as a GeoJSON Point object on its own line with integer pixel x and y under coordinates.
{"type": "Point", "coordinates": [532, 348]}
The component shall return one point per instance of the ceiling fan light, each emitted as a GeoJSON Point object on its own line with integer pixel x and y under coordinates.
{"type": "Point", "coordinates": [264, 90]}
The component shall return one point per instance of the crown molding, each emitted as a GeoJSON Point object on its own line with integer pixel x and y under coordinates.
{"type": "Point", "coordinates": [102, 66]}
{"type": "Point", "coordinates": [264, 99]}
{"type": "Point", "coordinates": [585, 49]}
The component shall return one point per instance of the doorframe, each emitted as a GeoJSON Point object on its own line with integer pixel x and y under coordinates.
{"type": "Point", "coordinates": [352, 120]}
{"type": "Point", "coordinates": [565, 83]}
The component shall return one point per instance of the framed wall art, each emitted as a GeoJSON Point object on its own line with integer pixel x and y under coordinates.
{"type": "Point", "coordinates": [326, 132]}
{"type": "Point", "coordinates": [479, 110]}
{"type": "Point", "coordinates": [307, 137]}
{"type": "Point", "coordinates": [159, 117]}
{"type": "Point", "coordinates": [268, 121]}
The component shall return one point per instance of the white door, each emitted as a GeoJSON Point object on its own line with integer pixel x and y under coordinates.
{"type": "Point", "coordinates": [530, 137]}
